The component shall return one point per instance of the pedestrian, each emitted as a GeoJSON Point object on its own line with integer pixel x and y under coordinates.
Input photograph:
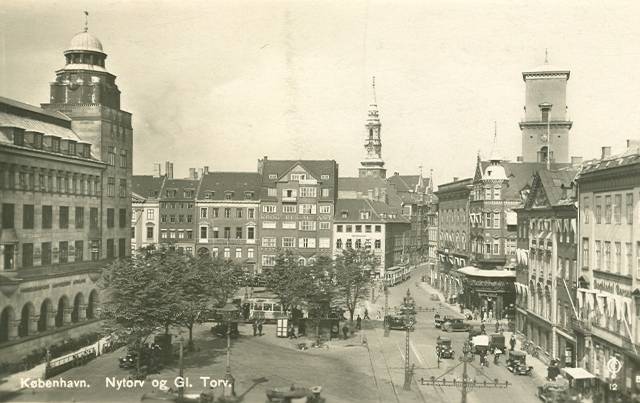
{"type": "Point", "coordinates": [255, 327]}
{"type": "Point", "coordinates": [345, 331]}
{"type": "Point", "coordinates": [377, 315]}
{"type": "Point", "coordinates": [482, 329]}
{"type": "Point", "coordinates": [512, 342]}
{"type": "Point", "coordinates": [260, 328]}
{"type": "Point", "coordinates": [358, 322]}
{"type": "Point", "coordinates": [497, 326]}
{"type": "Point", "coordinates": [366, 313]}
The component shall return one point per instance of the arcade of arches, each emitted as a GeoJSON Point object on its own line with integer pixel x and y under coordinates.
{"type": "Point", "coordinates": [30, 319]}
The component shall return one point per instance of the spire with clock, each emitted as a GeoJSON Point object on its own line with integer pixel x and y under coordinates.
{"type": "Point", "coordinates": [545, 126]}
{"type": "Point", "coordinates": [372, 164]}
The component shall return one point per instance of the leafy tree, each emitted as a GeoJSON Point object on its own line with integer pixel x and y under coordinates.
{"type": "Point", "coordinates": [352, 276]}
{"type": "Point", "coordinates": [222, 278]}
{"type": "Point", "coordinates": [285, 280]}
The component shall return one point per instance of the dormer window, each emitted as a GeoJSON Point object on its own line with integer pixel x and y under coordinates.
{"type": "Point", "coordinates": [55, 144]}
{"type": "Point", "coordinates": [209, 195]}
{"type": "Point", "coordinates": [298, 177]}
{"type": "Point", "coordinates": [365, 215]}
{"type": "Point", "coordinates": [248, 195]}
{"type": "Point", "coordinates": [228, 195]}
{"type": "Point", "coordinates": [273, 176]}
{"type": "Point", "coordinates": [18, 138]}
{"type": "Point", "coordinates": [324, 177]}
{"type": "Point", "coordinates": [344, 214]}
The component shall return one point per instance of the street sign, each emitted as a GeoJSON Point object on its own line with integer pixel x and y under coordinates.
{"type": "Point", "coordinates": [614, 366]}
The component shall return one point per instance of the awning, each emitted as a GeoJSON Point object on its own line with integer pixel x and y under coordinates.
{"type": "Point", "coordinates": [578, 373]}
{"type": "Point", "coordinates": [602, 302]}
{"type": "Point", "coordinates": [512, 218]}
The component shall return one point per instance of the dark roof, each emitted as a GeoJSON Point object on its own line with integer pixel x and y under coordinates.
{"type": "Point", "coordinates": [553, 183]}
{"type": "Point", "coordinates": [32, 108]}
{"type": "Point", "coordinates": [520, 175]}
{"type": "Point", "coordinates": [364, 184]}
{"type": "Point", "coordinates": [408, 183]}
{"type": "Point", "coordinates": [315, 168]}
{"type": "Point", "coordinates": [237, 182]}
{"type": "Point", "coordinates": [453, 186]}
{"type": "Point", "coordinates": [630, 156]}
{"type": "Point", "coordinates": [147, 186]}
{"type": "Point", "coordinates": [180, 185]}
{"type": "Point", "coordinates": [380, 212]}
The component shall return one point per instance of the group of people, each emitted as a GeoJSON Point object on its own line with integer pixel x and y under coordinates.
{"type": "Point", "coordinates": [257, 327]}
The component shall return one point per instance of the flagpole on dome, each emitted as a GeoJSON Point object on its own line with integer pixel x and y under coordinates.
{"type": "Point", "coordinates": [86, 21]}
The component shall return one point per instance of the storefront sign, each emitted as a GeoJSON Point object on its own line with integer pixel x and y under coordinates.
{"type": "Point", "coordinates": [491, 285]}
{"type": "Point", "coordinates": [612, 288]}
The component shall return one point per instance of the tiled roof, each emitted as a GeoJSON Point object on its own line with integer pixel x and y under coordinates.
{"type": "Point", "coordinates": [32, 108]}
{"type": "Point", "coordinates": [348, 186]}
{"type": "Point", "coordinates": [380, 212]}
{"type": "Point", "coordinates": [554, 181]}
{"type": "Point", "coordinates": [147, 186]}
{"type": "Point", "coordinates": [180, 185]}
{"type": "Point", "coordinates": [407, 183]}
{"type": "Point", "coordinates": [630, 156]}
{"type": "Point", "coordinates": [316, 168]}
{"type": "Point", "coordinates": [214, 185]}
{"type": "Point", "coordinates": [520, 175]}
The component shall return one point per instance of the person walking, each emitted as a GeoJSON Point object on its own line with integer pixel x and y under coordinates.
{"type": "Point", "coordinates": [260, 328]}
{"type": "Point", "coordinates": [512, 342]}
{"type": "Point", "coordinates": [255, 327]}
{"type": "Point", "coordinates": [358, 322]}
{"type": "Point", "coordinates": [366, 313]}
{"type": "Point", "coordinates": [497, 326]}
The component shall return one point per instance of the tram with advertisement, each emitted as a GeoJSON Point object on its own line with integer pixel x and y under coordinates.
{"type": "Point", "coordinates": [396, 275]}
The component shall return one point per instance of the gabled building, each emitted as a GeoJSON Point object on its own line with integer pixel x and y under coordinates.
{"type": "Point", "coordinates": [145, 219]}
{"type": "Point", "coordinates": [546, 264]}
{"type": "Point", "coordinates": [178, 214]}
{"type": "Point", "coordinates": [297, 205]}
{"type": "Point", "coordinates": [228, 205]}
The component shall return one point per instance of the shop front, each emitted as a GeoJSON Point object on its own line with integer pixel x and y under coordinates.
{"type": "Point", "coordinates": [488, 292]}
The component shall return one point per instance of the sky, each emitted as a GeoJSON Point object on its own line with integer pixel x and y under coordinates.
{"type": "Point", "coordinates": [223, 83]}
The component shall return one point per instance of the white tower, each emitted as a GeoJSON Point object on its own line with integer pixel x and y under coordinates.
{"type": "Point", "coordinates": [372, 164]}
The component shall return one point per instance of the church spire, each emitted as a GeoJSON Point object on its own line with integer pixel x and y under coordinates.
{"type": "Point", "coordinates": [372, 164]}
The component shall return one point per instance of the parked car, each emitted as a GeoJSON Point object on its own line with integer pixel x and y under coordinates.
{"type": "Point", "coordinates": [456, 325]}
{"type": "Point", "coordinates": [397, 322]}
{"type": "Point", "coordinates": [443, 347]}
{"type": "Point", "coordinates": [437, 320]}
{"type": "Point", "coordinates": [517, 363]}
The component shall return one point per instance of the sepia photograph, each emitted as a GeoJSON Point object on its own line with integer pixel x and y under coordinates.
{"type": "Point", "coordinates": [319, 201]}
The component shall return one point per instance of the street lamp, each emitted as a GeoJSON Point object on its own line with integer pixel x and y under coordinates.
{"type": "Point", "coordinates": [229, 314]}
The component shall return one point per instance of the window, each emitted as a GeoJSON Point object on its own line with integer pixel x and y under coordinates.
{"type": "Point", "coordinates": [496, 220]}
{"type": "Point", "coordinates": [250, 213]}
{"type": "Point", "coordinates": [617, 206]}
{"type": "Point", "coordinates": [339, 228]}
{"type": "Point", "coordinates": [122, 217]}
{"type": "Point", "coordinates": [324, 177]}
{"type": "Point", "coordinates": [487, 220]}
{"type": "Point", "coordinates": [63, 249]}
{"type": "Point", "coordinates": [189, 234]}
{"type": "Point", "coordinates": [638, 259]}
{"type": "Point", "coordinates": [607, 209]}
{"type": "Point", "coordinates": [248, 195]}
{"type": "Point", "coordinates": [47, 217]}
{"type": "Point", "coordinates": [46, 253]}
{"type": "Point", "coordinates": [358, 243]}
{"type": "Point", "coordinates": [215, 233]}
{"type": "Point", "coordinates": [7, 215]}
{"type": "Point", "coordinates": [111, 187]}
{"type": "Point", "coordinates": [358, 228]}
{"type": "Point", "coordinates": [163, 218]}
{"type": "Point", "coordinates": [377, 244]}
{"type": "Point", "coordinates": [628, 266]}
{"type": "Point", "coordinates": [607, 255]}
{"type": "Point", "coordinates": [204, 232]}
{"type": "Point", "coordinates": [227, 253]}
{"type": "Point", "coordinates": [298, 177]}
{"type": "Point", "coordinates": [122, 247]}
{"type": "Point", "coordinates": [308, 191]}
{"type": "Point", "coordinates": [598, 255]}
{"type": "Point", "coordinates": [289, 208]}
{"type": "Point", "coordinates": [164, 234]}
{"type": "Point", "coordinates": [123, 158]}
{"type": "Point", "coordinates": [238, 232]}
{"type": "Point", "coordinates": [181, 218]}
{"type": "Point", "coordinates": [64, 217]}
{"type": "Point", "coordinates": [326, 225]}
{"type": "Point", "coordinates": [289, 193]}
{"type": "Point", "coordinates": [238, 253]}
{"type": "Point", "coordinates": [111, 155]}
{"type": "Point", "coordinates": [172, 218]}
{"type": "Point", "coordinates": [339, 243]}
{"type": "Point", "coordinates": [324, 243]}
{"type": "Point", "coordinates": [307, 209]}
{"type": "Point", "coordinates": [215, 212]}
{"type": "Point", "coordinates": [250, 253]}
{"type": "Point", "coordinates": [272, 192]}
{"type": "Point", "coordinates": [487, 194]}
{"type": "Point", "coordinates": [27, 217]}
{"type": "Point", "coordinates": [325, 209]}
{"type": "Point", "coordinates": [93, 218]}
{"type": "Point", "coordinates": [149, 232]}
{"type": "Point", "coordinates": [227, 212]}
{"type": "Point", "coordinates": [150, 215]}
{"type": "Point", "coordinates": [123, 188]}
{"type": "Point", "coordinates": [238, 213]}
{"type": "Point", "coordinates": [27, 255]}
{"type": "Point", "coordinates": [378, 228]}
{"type": "Point", "coordinates": [180, 234]}
{"type": "Point", "coordinates": [307, 243]}
{"type": "Point", "coordinates": [251, 232]}
{"type": "Point", "coordinates": [288, 242]}
{"type": "Point", "coordinates": [269, 208]}
{"type": "Point", "coordinates": [188, 193]}
{"type": "Point", "coordinates": [618, 257]}
{"type": "Point", "coordinates": [203, 212]}
{"type": "Point", "coordinates": [496, 247]}
{"type": "Point", "coordinates": [271, 224]}
{"type": "Point", "coordinates": [269, 242]}
{"type": "Point", "coordinates": [367, 228]}
{"type": "Point", "coordinates": [307, 226]}
{"type": "Point", "coordinates": [629, 208]}
{"type": "Point", "coordinates": [227, 232]}
{"type": "Point", "coordinates": [349, 228]}
{"type": "Point", "coordinates": [325, 192]}
{"type": "Point", "coordinates": [79, 217]}
{"type": "Point", "coordinates": [268, 260]}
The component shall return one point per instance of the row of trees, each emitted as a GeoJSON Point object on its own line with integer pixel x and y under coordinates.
{"type": "Point", "coordinates": [163, 288]}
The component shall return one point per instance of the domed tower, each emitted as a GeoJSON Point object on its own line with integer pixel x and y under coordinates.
{"type": "Point", "coordinates": [372, 164]}
{"type": "Point", "coordinates": [87, 93]}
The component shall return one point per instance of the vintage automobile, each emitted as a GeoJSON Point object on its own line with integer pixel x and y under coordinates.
{"type": "Point", "coordinates": [437, 321]}
{"type": "Point", "coordinates": [295, 394]}
{"type": "Point", "coordinates": [397, 322]}
{"type": "Point", "coordinates": [128, 361]}
{"type": "Point", "coordinates": [552, 392]}
{"type": "Point", "coordinates": [456, 325]}
{"type": "Point", "coordinates": [517, 363]}
{"type": "Point", "coordinates": [480, 344]}
{"type": "Point", "coordinates": [434, 297]}
{"type": "Point", "coordinates": [443, 347]}
{"type": "Point", "coordinates": [496, 341]}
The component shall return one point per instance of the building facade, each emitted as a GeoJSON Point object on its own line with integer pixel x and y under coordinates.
{"type": "Point", "coordinates": [297, 206]}
{"type": "Point", "coordinates": [145, 219]}
{"type": "Point", "coordinates": [607, 326]}
{"type": "Point", "coordinates": [178, 219]}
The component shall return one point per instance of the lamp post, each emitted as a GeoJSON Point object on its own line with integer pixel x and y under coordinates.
{"type": "Point", "coordinates": [386, 311]}
{"type": "Point", "coordinates": [229, 313]}
{"type": "Point", "coordinates": [181, 373]}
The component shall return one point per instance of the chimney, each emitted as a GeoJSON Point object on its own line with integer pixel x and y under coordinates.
{"type": "Point", "coordinates": [633, 143]}
{"type": "Point", "coordinates": [606, 152]}
{"type": "Point", "coordinates": [575, 161]}
{"type": "Point", "coordinates": [157, 170]}
{"type": "Point", "coordinates": [396, 174]}
{"type": "Point", "coordinates": [455, 178]}
{"type": "Point", "coordinates": [205, 170]}
{"type": "Point", "coordinates": [519, 158]}
{"type": "Point", "coordinates": [193, 174]}
{"type": "Point", "coordinates": [168, 169]}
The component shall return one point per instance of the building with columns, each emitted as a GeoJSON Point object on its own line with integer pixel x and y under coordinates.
{"type": "Point", "coordinates": [66, 202]}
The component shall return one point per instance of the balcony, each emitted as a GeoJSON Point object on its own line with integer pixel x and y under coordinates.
{"type": "Point", "coordinates": [289, 199]}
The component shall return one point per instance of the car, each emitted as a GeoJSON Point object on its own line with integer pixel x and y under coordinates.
{"type": "Point", "coordinates": [517, 363]}
{"type": "Point", "coordinates": [456, 325]}
{"type": "Point", "coordinates": [443, 347]}
{"type": "Point", "coordinates": [496, 341]}
{"type": "Point", "coordinates": [397, 322]}
{"type": "Point", "coordinates": [434, 297]}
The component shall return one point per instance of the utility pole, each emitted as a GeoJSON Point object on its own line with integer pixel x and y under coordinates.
{"type": "Point", "coordinates": [386, 311]}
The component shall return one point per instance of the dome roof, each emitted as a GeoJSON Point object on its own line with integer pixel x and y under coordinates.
{"type": "Point", "coordinates": [85, 41]}
{"type": "Point", "coordinates": [495, 171]}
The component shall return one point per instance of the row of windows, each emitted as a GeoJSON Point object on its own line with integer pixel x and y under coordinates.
{"type": "Point", "coordinates": [64, 252]}
{"type": "Point", "coordinates": [226, 253]}
{"type": "Point", "coordinates": [228, 195]}
{"type": "Point", "coordinates": [492, 246]}
{"type": "Point", "coordinates": [613, 208]}
{"type": "Point", "coordinates": [111, 157]}
{"type": "Point", "coordinates": [187, 193]}
{"type": "Point", "coordinates": [69, 183]}
{"type": "Point", "coordinates": [173, 205]}
{"type": "Point", "coordinates": [111, 187]}
{"type": "Point", "coordinates": [238, 212]}
{"type": "Point", "coordinates": [377, 244]}
{"type": "Point", "coordinates": [301, 225]}
{"type": "Point", "coordinates": [300, 208]}
{"type": "Point", "coordinates": [302, 191]}
{"type": "Point", "coordinates": [486, 220]}
{"type": "Point", "coordinates": [486, 193]}
{"type": "Point", "coordinates": [358, 228]}
{"type": "Point", "coordinates": [615, 257]}
{"type": "Point", "coordinates": [457, 240]}
{"type": "Point", "coordinates": [227, 234]}
{"type": "Point", "coordinates": [173, 218]}
{"type": "Point", "coordinates": [290, 242]}
{"type": "Point", "coordinates": [46, 221]}
{"type": "Point", "coordinates": [453, 216]}
{"type": "Point", "coordinates": [164, 234]}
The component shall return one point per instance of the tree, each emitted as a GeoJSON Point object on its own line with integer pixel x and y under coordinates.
{"type": "Point", "coordinates": [353, 276]}
{"type": "Point", "coordinates": [222, 278]}
{"type": "Point", "coordinates": [286, 280]}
